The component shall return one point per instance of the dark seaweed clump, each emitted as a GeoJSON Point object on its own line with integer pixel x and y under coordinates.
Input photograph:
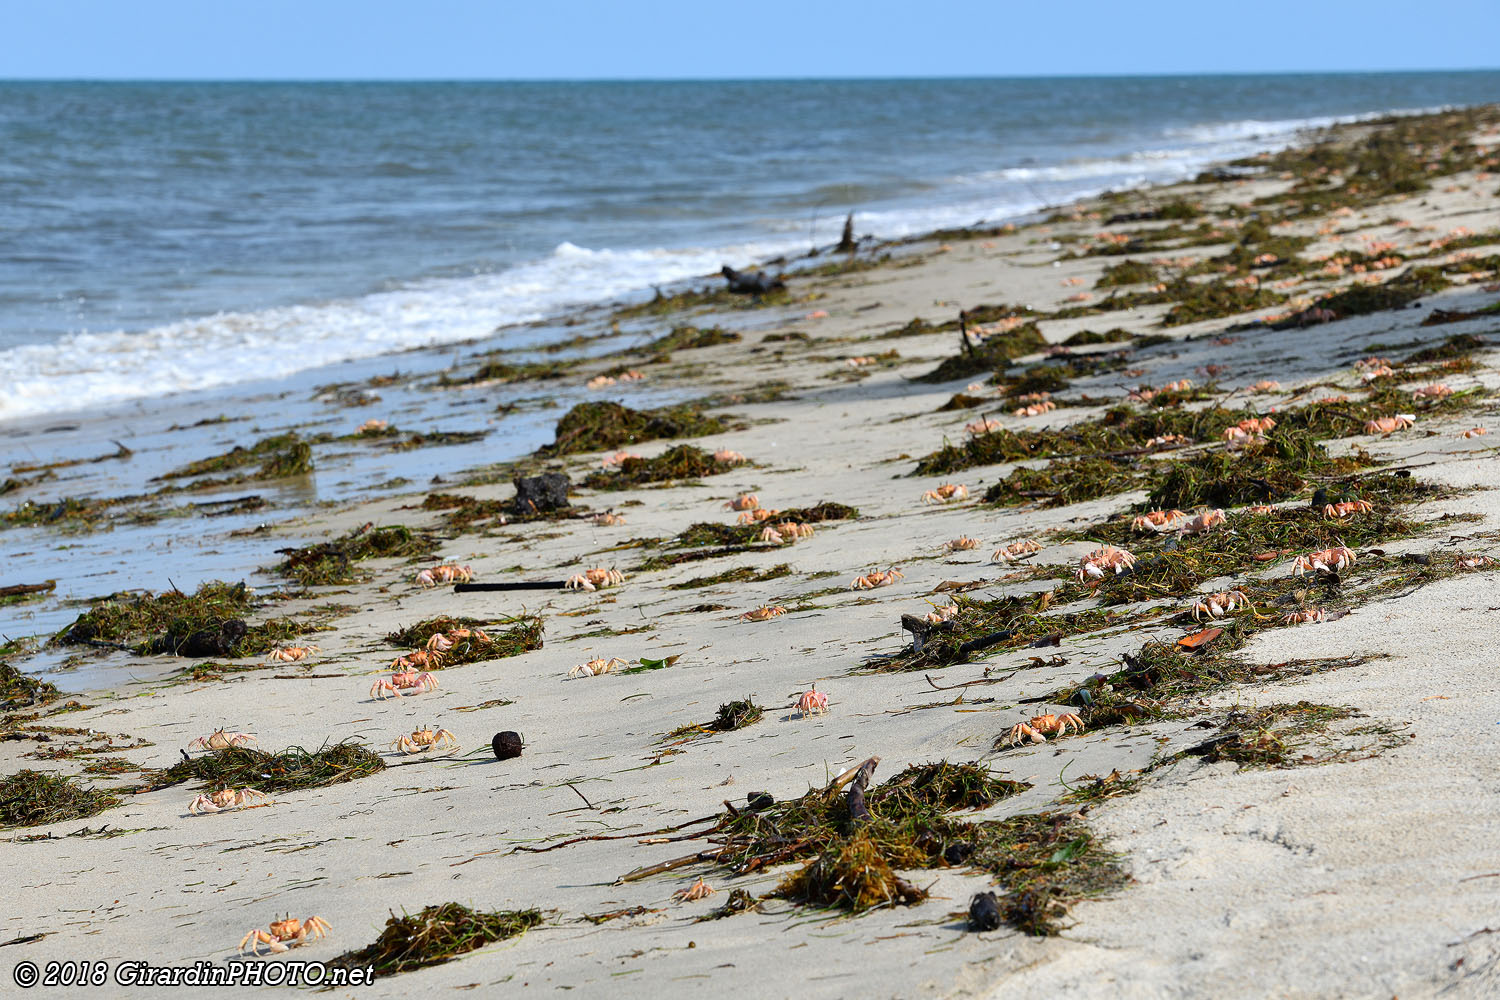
{"type": "Point", "coordinates": [435, 935]}
{"type": "Point", "coordinates": [333, 562]}
{"type": "Point", "coordinates": [684, 338]}
{"type": "Point", "coordinates": [510, 636]}
{"type": "Point", "coordinates": [994, 353]}
{"type": "Point", "coordinates": [275, 457]}
{"type": "Point", "coordinates": [291, 769]}
{"type": "Point", "coordinates": [855, 844]}
{"type": "Point", "coordinates": [599, 426]}
{"type": "Point", "coordinates": [681, 462]}
{"type": "Point", "coordinates": [18, 690]}
{"type": "Point", "coordinates": [31, 798]}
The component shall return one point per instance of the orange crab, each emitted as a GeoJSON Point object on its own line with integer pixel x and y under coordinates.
{"type": "Point", "coordinates": [1324, 561]}
{"type": "Point", "coordinates": [983, 426]}
{"type": "Point", "coordinates": [878, 578]}
{"type": "Point", "coordinates": [756, 516]}
{"type": "Point", "coordinates": [745, 501]}
{"type": "Point", "coordinates": [1035, 409]}
{"type": "Point", "coordinates": [812, 702]}
{"type": "Point", "coordinates": [962, 543]}
{"type": "Point", "coordinates": [764, 614]}
{"type": "Point", "coordinates": [698, 890]}
{"type": "Point", "coordinates": [404, 680]}
{"type": "Point", "coordinates": [1040, 727]}
{"type": "Point", "coordinates": [291, 654]}
{"type": "Point", "coordinates": [1436, 390]}
{"type": "Point", "coordinates": [1157, 520]}
{"type": "Point", "coordinates": [1389, 425]}
{"type": "Point", "coordinates": [1203, 522]}
{"type": "Point", "coordinates": [417, 658]}
{"type": "Point", "coordinates": [591, 579]}
{"type": "Point", "coordinates": [1474, 432]}
{"type": "Point", "coordinates": [939, 615]}
{"type": "Point", "coordinates": [1338, 511]}
{"type": "Point", "coordinates": [284, 934]}
{"type": "Point", "coordinates": [609, 519]}
{"type": "Point", "coordinates": [726, 457]}
{"type": "Point", "coordinates": [1303, 617]}
{"type": "Point", "coordinates": [1096, 563]}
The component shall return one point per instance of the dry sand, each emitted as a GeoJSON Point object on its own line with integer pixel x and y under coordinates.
{"type": "Point", "coordinates": [1372, 877]}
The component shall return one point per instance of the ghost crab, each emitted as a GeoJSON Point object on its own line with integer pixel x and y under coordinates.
{"type": "Point", "coordinates": [1303, 617]}
{"type": "Point", "coordinates": [1016, 550]}
{"type": "Point", "coordinates": [1204, 522]}
{"type": "Point", "coordinates": [595, 667]}
{"type": "Point", "coordinates": [698, 890]}
{"type": "Point", "coordinates": [763, 614]}
{"type": "Point", "coordinates": [946, 493]}
{"type": "Point", "coordinates": [1040, 727]}
{"type": "Point", "coordinates": [1220, 604]}
{"type": "Point", "coordinates": [813, 702]}
{"type": "Point", "coordinates": [403, 680]}
{"type": "Point", "coordinates": [1324, 561]}
{"type": "Point", "coordinates": [1338, 511]}
{"type": "Point", "coordinates": [220, 740]}
{"type": "Point", "coordinates": [878, 578]}
{"type": "Point", "coordinates": [424, 739]}
{"type": "Point", "coordinates": [1385, 426]}
{"type": "Point", "coordinates": [1157, 520]}
{"type": "Point", "coordinates": [745, 501]}
{"type": "Point", "coordinates": [286, 933]}
{"type": "Point", "coordinates": [592, 579]}
{"type": "Point", "coordinates": [291, 654]}
{"type": "Point", "coordinates": [1099, 562]}
{"type": "Point", "coordinates": [228, 798]}
{"type": "Point", "coordinates": [962, 543]}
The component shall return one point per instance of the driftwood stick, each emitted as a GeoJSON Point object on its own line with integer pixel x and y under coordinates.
{"type": "Point", "coordinates": [16, 590]}
{"type": "Point", "coordinates": [858, 810]}
{"type": "Point", "coordinates": [666, 866]}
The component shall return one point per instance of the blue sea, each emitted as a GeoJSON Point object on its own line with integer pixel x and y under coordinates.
{"type": "Point", "coordinates": [163, 237]}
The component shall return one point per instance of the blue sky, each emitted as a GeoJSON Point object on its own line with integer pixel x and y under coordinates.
{"type": "Point", "coordinates": [552, 39]}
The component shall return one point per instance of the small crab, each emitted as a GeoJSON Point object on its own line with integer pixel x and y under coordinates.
{"type": "Point", "coordinates": [1203, 522]}
{"type": "Point", "coordinates": [1266, 385]}
{"type": "Point", "coordinates": [426, 738]}
{"type": "Point", "coordinates": [593, 668]}
{"type": "Point", "coordinates": [983, 426]}
{"type": "Point", "coordinates": [609, 519]}
{"type": "Point", "coordinates": [404, 680]}
{"type": "Point", "coordinates": [592, 579]}
{"type": "Point", "coordinates": [756, 516]}
{"type": "Point", "coordinates": [745, 501]}
{"type": "Point", "coordinates": [1389, 425]}
{"type": "Point", "coordinates": [726, 457]}
{"type": "Point", "coordinates": [1040, 727]}
{"type": "Point", "coordinates": [417, 658]}
{"type": "Point", "coordinates": [877, 578]}
{"type": "Point", "coordinates": [228, 798]}
{"type": "Point", "coordinates": [812, 702]}
{"type": "Point", "coordinates": [1303, 617]}
{"type": "Point", "coordinates": [1097, 562]}
{"type": "Point", "coordinates": [1324, 561]}
{"type": "Point", "coordinates": [945, 493]}
{"type": "Point", "coordinates": [284, 934]}
{"type": "Point", "coordinates": [764, 614]}
{"type": "Point", "coordinates": [220, 740]}
{"type": "Point", "coordinates": [446, 573]}
{"type": "Point", "coordinates": [698, 890]}
{"type": "Point", "coordinates": [291, 654]}
{"type": "Point", "coordinates": [1436, 390]}
{"type": "Point", "coordinates": [1379, 371]}
{"type": "Point", "coordinates": [1476, 562]}
{"type": "Point", "coordinates": [1016, 550]}
{"type": "Point", "coordinates": [962, 543]}
{"type": "Point", "coordinates": [1157, 520]}
{"type": "Point", "coordinates": [600, 382]}
{"type": "Point", "coordinates": [1337, 511]}
{"type": "Point", "coordinates": [1220, 604]}
{"type": "Point", "coordinates": [618, 458]}
{"type": "Point", "coordinates": [1181, 385]}
{"type": "Point", "coordinates": [1035, 409]}
{"type": "Point", "coordinates": [938, 615]}
{"type": "Point", "coordinates": [1474, 432]}
{"type": "Point", "coordinates": [794, 529]}
{"type": "Point", "coordinates": [1260, 508]}
{"type": "Point", "coordinates": [632, 376]}
{"type": "Point", "coordinates": [1168, 440]}
{"type": "Point", "coordinates": [770, 534]}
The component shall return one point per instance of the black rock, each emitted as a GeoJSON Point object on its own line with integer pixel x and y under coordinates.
{"type": "Point", "coordinates": [984, 912]}
{"type": "Point", "coordinates": [507, 745]}
{"type": "Point", "coordinates": [760, 800]}
{"type": "Point", "coordinates": [759, 283]}
{"type": "Point", "coordinates": [220, 639]}
{"type": "Point", "coordinates": [537, 494]}
{"type": "Point", "coordinates": [957, 853]}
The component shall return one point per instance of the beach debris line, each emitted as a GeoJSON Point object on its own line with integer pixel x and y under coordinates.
{"type": "Point", "coordinates": [435, 935]}
{"type": "Point", "coordinates": [281, 935]}
{"type": "Point", "coordinates": [290, 769]}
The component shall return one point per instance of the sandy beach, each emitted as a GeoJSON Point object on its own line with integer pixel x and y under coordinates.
{"type": "Point", "coordinates": [1299, 800]}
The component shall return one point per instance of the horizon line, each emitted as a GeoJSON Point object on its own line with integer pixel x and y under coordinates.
{"type": "Point", "coordinates": [744, 79]}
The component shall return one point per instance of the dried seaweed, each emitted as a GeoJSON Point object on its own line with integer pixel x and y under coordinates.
{"type": "Point", "coordinates": [31, 798]}
{"type": "Point", "coordinates": [436, 935]}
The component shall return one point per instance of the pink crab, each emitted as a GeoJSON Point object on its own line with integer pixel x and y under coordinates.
{"type": "Point", "coordinates": [403, 680]}
{"type": "Point", "coordinates": [813, 702]}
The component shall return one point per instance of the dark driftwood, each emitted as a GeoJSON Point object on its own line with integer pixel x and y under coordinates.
{"type": "Point", "coordinates": [16, 590]}
{"type": "Point", "coordinates": [744, 283]}
{"type": "Point", "coordinates": [847, 242]}
{"type": "Point", "coordinates": [858, 810]}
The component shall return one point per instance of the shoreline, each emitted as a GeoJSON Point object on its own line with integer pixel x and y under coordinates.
{"type": "Point", "coordinates": [832, 408]}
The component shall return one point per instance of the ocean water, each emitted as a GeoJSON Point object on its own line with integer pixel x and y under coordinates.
{"type": "Point", "coordinates": [162, 237]}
